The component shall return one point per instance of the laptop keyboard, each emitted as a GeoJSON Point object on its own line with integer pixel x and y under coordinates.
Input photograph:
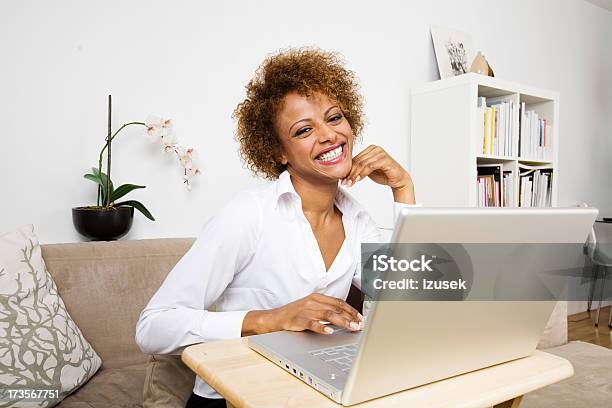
{"type": "Point", "coordinates": [340, 357]}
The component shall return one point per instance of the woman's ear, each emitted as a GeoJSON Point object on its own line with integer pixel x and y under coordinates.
{"type": "Point", "coordinates": [282, 157]}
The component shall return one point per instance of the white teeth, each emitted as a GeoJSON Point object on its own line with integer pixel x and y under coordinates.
{"type": "Point", "coordinates": [331, 155]}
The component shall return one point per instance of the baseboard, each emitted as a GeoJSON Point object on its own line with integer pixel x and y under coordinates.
{"type": "Point", "coordinates": [581, 306]}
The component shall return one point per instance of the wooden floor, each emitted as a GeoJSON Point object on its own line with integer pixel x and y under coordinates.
{"type": "Point", "coordinates": [581, 327]}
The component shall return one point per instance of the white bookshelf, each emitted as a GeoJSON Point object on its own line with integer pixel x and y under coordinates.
{"type": "Point", "coordinates": [447, 137]}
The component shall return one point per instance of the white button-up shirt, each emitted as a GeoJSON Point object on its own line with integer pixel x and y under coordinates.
{"type": "Point", "coordinates": [258, 253]}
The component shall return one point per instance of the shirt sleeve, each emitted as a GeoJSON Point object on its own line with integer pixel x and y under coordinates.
{"type": "Point", "coordinates": [177, 315]}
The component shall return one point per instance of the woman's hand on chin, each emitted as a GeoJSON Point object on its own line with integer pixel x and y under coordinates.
{"type": "Point", "coordinates": [307, 313]}
{"type": "Point", "coordinates": [374, 162]}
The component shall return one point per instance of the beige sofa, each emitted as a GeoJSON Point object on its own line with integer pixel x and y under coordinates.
{"type": "Point", "coordinates": [105, 285]}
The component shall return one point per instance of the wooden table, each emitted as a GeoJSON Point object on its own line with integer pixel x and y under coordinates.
{"type": "Point", "coordinates": [247, 379]}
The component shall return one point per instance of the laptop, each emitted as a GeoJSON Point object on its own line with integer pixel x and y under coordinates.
{"type": "Point", "coordinates": [408, 344]}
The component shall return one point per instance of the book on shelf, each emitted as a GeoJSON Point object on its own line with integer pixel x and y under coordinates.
{"type": "Point", "coordinates": [535, 186]}
{"type": "Point", "coordinates": [508, 189]}
{"type": "Point", "coordinates": [536, 136]}
{"type": "Point", "coordinates": [490, 185]}
{"type": "Point", "coordinates": [500, 130]}
{"type": "Point", "coordinates": [510, 130]}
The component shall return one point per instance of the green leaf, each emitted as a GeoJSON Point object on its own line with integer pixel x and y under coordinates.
{"type": "Point", "coordinates": [93, 178]}
{"type": "Point", "coordinates": [96, 179]}
{"type": "Point", "coordinates": [123, 190]}
{"type": "Point", "coordinates": [102, 177]}
{"type": "Point", "coordinates": [137, 205]}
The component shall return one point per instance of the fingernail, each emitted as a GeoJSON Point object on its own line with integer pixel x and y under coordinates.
{"type": "Point", "coordinates": [360, 316]}
{"type": "Point", "coordinates": [350, 182]}
{"type": "Point", "coordinates": [357, 179]}
{"type": "Point", "coordinates": [354, 326]}
{"type": "Point", "coordinates": [328, 330]}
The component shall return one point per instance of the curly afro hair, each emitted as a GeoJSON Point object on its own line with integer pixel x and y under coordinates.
{"type": "Point", "coordinates": [301, 70]}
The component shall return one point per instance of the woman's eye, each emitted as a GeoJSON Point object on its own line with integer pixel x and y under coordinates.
{"type": "Point", "coordinates": [335, 118]}
{"type": "Point", "coordinates": [302, 131]}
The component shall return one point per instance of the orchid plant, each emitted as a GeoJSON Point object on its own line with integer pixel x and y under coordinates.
{"type": "Point", "coordinates": [159, 130]}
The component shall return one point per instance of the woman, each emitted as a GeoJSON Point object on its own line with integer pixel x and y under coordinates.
{"type": "Point", "coordinates": [281, 256]}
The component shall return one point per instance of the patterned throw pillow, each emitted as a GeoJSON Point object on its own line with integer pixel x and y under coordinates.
{"type": "Point", "coordinates": [43, 355]}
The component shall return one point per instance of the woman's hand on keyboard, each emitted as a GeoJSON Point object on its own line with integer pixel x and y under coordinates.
{"type": "Point", "coordinates": [308, 313]}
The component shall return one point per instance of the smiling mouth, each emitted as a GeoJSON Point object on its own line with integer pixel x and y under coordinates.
{"type": "Point", "coordinates": [332, 156]}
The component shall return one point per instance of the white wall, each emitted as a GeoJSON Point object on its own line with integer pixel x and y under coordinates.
{"type": "Point", "coordinates": [190, 60]}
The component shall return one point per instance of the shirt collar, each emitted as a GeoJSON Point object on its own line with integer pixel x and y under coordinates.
{"type": "Point", "coordinates": [285, 193]}
{"type": "Point", "coordinates": [284, 187]}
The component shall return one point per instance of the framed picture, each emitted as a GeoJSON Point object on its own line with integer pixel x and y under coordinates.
{"type": "Point", "coordinates": [453, 51]}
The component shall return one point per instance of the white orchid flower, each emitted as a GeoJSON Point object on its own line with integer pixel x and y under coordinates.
{"type": "Point", "coordinates": [154, 126]}
{"type": "Point", "coordinates": [185, 158]}
{"type": "Point", "coordinates": [192, 172]}
{"type": "Point", "coordinates": [158, 127]}
{"type": "Point", "coordinates": [187, 182]}
{"type": "Point", "coordinates": [162, 128]}
{"type": "Point", "coordinates": [168, 141]}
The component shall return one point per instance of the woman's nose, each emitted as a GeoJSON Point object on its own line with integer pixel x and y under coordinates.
{"type": "Point", "coordinates": [327, 134]}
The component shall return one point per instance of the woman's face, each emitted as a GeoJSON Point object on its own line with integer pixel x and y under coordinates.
{"type": "Point", "coordinates": [316, 138]}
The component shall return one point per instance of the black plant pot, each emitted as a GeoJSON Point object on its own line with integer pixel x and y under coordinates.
{"type": "Point", "coordinates": [102, 224]}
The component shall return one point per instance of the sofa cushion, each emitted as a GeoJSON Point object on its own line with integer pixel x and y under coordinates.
{"type": "Point", "coordinates": [40, 344]}
{"type": "Point", "coordinates": [105, 286]}
{"type": "Point", "coordinates": [169, 382]}
{"type": "Point", "coordinates": [113, 387]}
